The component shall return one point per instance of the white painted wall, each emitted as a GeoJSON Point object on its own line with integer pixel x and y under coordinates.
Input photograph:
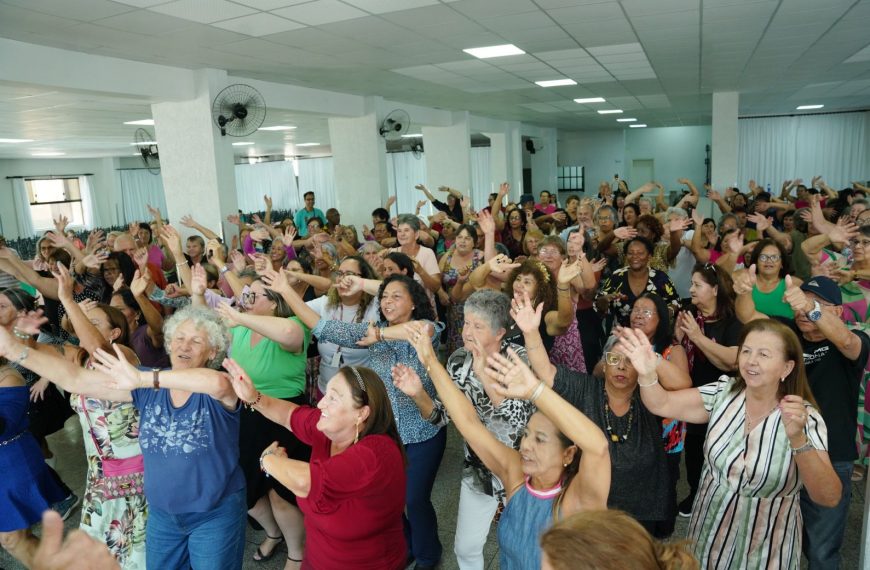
{"type": "Point", "coordinates": [676, 152]}
{"type": "Point", "coordinates": [602, 153]}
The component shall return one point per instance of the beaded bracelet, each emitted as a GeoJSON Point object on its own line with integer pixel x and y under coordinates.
{"type": "Point", "coordinates": [19, 334]}
{"type": "Point", "coordinates": [251, 405]}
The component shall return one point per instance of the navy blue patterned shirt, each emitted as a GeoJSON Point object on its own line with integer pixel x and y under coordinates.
{"type": "Point", "coordinates": [382, 357]}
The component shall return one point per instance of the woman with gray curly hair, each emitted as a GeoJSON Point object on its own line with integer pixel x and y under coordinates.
{"type": "Point", "coordinates": [189, 430]}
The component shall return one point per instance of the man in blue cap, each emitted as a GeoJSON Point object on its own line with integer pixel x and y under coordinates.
{"type": "Point", "coordinates": [835, 357]}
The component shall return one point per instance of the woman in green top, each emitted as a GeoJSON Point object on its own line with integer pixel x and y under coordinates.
{"type": "Point", "coordinates": [771, 262]}
{"type": "Point", "coordinates": [270, 343]}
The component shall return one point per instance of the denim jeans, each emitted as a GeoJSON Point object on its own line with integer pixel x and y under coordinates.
{"type": "Point", "coordinates": [824, 527]}
{"type": "Point", "coordinates": [211, 540]}
{"type": "Point", "coordinates": [421, 524]}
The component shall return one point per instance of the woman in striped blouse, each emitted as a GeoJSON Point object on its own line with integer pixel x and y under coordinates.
{"type": "Point", "coordinates": [766, 439]}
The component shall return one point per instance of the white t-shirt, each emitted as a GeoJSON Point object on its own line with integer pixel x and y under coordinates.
{"type": "Point", "coordinates": [8, 280]}
{"type": "Point", "coordinates": [332, 353]}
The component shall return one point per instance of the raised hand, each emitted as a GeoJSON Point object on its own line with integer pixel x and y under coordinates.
{"type": "Point", "coordinates": [525, 314]}
{"type": "Point", "coordinates": [843, 231]}
{"type": "Point", "coordinates": [95, 241]}
{"type": "Point", "coordinates": [277, 281]}
{"type": "Point", "coordinates": [198, 280]}
{"type": "Point", "coordinates": [121, 375]}
{"type": "Point", "coordinates": [559, 216]}
{"type": "Point", "coordinates": [65, 282]}
{"type": "Point", "coordinates": [688, 325]}
{"type": "Point", "coordinates": [172, 240]}
{"type": "Point", "coordinates": [744, 281]}
{"type": "Point", "coordinates": [60, 223]}
{"type": "Point", "coordinates": [569, 271]}
{"type": "Point", "coordinates": [684, 181]}
{"type": "Point", "coordinates": [118, 284]}
{"type": "Point", "coordinates": [637, 348]}
{"type": "Point", "coordinates": [795, 297]}
{"type": "Point", "coordinates": [257, 220]}
{"type": "Point", "coordinates": [503, 189]}
{"type": "Point", "coordinates": [794, 415]}
{"type": "Point", "coordinates": [407, 380]}
{"type": "Point", "coordinates": [215, 251]}
{"type": "Point", "coordinates": [228, 313]}
{"type": "Point", "coordinates": [187, 221]}
{"type": "Point", "coordinates": [141, 280]}
{"type": "Point", "coordinates": [30, 322]}
{"type": "Point", "coordinates": [484, 219]}
{"type": "Point", "coordinates": [733, 243]}
{"type": "Point", "coordinates": [390, 201]}
{"type": "Point", "coordinates": [140, 257]}
{"type": "Point", "coordinates": [678, 225]}
{"type": "Point", "coordinates": [241, 382]}
{"type": "Point", "coordinates": [260, 234]}
{"type": "Point", "coordinates": [88, 305]}
{"type": "Point", "coordinates": [155, 213]}
{"type": "Point", "coordinates": [418, 333]}
{"type": "Point", "coordinates": [598, 264]}
{"type": "Point", "coordinates": [421, 203]}
{"type": "Point", "coordinates": [95, 260]}
{"type": "Point", "coordinates": [714, 195]}
{"type": "Point", "coordinates": [625, 232]}
{"type": "Point", "coordinates": [761, 222]}
{"type": "Point", "coordinates": [237, 258]}
{"type": "Point", "coordinates": [234, 219]}
{"type": "Point", "coordinates": [501, 264]}
{"type": "Point", "coordinates": [511, 377]}
{"type": "Point", "coordinates": [268, 200]}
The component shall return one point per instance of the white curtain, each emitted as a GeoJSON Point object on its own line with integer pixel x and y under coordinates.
{"type": "Point", "coordinates": [90, 212]}
{"type": "Point", "coordinates": [481, 182]}
{"type": "Point", "coordinates": [275, 179]}
{"type": "Point", "coordinates": [771, 150]}
{"type": "Point", "coordinates": [22, 208]}
{"type": "Point", "coordinates": [140, 188]}
{"type": "Point", "coordinates": [317, 175]}
{"type": "Point", "coordinates": [404, 171]}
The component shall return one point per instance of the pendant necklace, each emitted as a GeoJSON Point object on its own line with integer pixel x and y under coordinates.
{"type": "Point", "coordinates": [615, 437]}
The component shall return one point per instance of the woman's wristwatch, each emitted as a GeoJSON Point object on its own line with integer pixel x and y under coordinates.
{"type": "Point", "coordinates": [805, 447]}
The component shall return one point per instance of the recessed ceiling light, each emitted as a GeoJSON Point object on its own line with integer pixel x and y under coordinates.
{"type": "Point", "coordinates": [143, 143]}
{"type": "Point", "coordinates": [494, 51]}
{"type": "Point", "coordinates": [805, 107]}
{"type": "Point", "coordinates": [277, 128]}
{"type": "Point", "coordinates": [609, 111]}
{"type": "Point", "coordinates": [626, 120]}
{"type": "Point", "coordinates": [590, 100]}
{"type": "Point", "coordinates": [308, 144]}
{"type": "Point", "coordinates": [15, 141]}
{"type": "Point", "coordinates": [243, 143]}
{"type": "Point", "coordinates": [140, 122]}
{"type": "Point", "coordinates": [47, 154]}
{"type": "Point", "coordinates": [556, 82]}
{"type": "Point", "coordinates": [638, 126]}
{"type": "Point", "coordinates": [412, 136]}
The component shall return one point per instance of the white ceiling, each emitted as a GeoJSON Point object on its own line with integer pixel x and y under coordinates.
{"type": "Point", "coordinates": [656, 59]}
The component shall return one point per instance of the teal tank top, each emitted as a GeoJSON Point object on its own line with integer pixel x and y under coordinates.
{"type": "Point", "coordinates": [525, 518]}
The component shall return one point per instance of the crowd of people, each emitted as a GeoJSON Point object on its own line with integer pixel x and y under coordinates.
{"type": "Point", "coordinates": [299, 377]}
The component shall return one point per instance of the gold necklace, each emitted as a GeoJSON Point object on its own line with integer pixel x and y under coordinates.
{"type": "Point", "coordinates": [750, 421]}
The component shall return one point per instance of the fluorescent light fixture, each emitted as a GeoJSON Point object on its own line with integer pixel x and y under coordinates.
{"type": "Point", "coordinates": [243, 143]}
{"type": "Point", "coordinates": [494, 51]}
{"type": "Point", "coordinates": [47, 154]}
{"type": "Point", "coordinates": [412, 136]}
{"type": "Point", "coordinates": [149, 122]}
{"type": "Point", "coordinates": [589, 100]}
{"type": "Point", "coordinates": [277, 128]}
{"type": "Point", "coordinates": [308, 144]}
{"type": "Point", "coordinates": [556, 82]}
{"type": "Point", "coordinates": [15, 141]}
{"type": "Point", "coordinates": [638, 126]}
{"type": "Point", "coordinates": [626, 120]}
{"type": "Point", "coordinates": [805, 107]}
{"type": "Point", "coordinates": [143, 143]}
{"type": "Point", "coordinates": [609, 111]}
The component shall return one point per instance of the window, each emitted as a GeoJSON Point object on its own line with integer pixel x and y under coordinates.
{"type": "Point", "coordinates": [571, 178]}
{"type": "Point", "coordinates": [51, 198]}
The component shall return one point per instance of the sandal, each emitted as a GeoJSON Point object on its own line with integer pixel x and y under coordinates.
{"type": "Point", "coordinates": [265, 557]}
{"type": "Point", "coordinates": [858, 472]}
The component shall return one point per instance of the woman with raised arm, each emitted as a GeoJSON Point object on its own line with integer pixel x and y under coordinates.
{"type": "Point", "coordinates": [562, 466]}
{"type": "Point", "coordinates": [401, 300]}
{"type": "Point", "coordinates": [456, 267]}
{"type": "Point", "coordinates": [766, 440]}
{"type": "Point", "coordinates": [347, 492]}
{"type": "Point", "coordinates": [271, 343]}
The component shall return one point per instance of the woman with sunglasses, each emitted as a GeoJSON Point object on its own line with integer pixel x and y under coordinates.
{"type": "Point", "coordinates": [270, 343]}
{"type": "Point", "coordinates": [771, 261]}
{"type": "Point", "coordinates": [639, 471]}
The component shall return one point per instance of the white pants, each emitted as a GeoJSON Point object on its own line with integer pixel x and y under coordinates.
{"type": "Point", "coordinates": [472, 526]}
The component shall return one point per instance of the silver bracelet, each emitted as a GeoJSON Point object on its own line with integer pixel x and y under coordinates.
{"type": "Point", "coordinates": [20, 335]}
{"type": "Point", "coordinates": [653, 383]}
{"type": "Point", "coordinates": [536, 392]}
{"type": "Point", "coordinates": [24, 353]}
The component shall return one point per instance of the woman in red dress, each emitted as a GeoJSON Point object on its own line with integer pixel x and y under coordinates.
{"type": "Point", "coordinates": [352, 491]}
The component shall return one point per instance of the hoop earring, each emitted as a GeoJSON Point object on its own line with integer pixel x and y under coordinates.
{"type": "Point", "coordinates": [356, 437]}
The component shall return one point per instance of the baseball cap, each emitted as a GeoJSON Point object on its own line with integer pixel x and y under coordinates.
{"type": "Point", "coordinates": [825, 288]}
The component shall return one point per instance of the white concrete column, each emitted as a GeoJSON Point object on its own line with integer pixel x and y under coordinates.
{"type": "Point", "coordinates": [723, 170]}
{"type": "Point", "coordinates": [196, 162]}
{"type": "Point", "coordinates": [506, 159]}
{"type": "Point", "coordinates": [359, 156]}
{"type": "Point", "coordinates": [448, 154]}
{"type": "Point", "coordinates": [544, 161]}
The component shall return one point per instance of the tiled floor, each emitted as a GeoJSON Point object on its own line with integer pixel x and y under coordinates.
{"type": "Point", "coordinates": [67, 444]}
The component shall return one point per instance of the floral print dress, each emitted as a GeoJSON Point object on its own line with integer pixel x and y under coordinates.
{"type": "Point", "coordinates": [119, 523]}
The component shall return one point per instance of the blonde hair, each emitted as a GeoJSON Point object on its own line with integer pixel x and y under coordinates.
{"type": "Point", "coordinates": [611, 540]}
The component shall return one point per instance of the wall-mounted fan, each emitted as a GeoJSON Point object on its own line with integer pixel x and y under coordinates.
{"type": "Point", "coordinates": [417, 150]}
{"type": "Point", "coordinates": [238, 110]}
{"type": "Point", "coordinates": [395, 125]}
{"type": "Point", "coordinates": [147, 147]}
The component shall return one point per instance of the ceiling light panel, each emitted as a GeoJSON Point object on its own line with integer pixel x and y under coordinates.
{"type": "Point", "coordinates": [807, 107]}
{"type": "Point", "coordinates": [589, 100]}
{"type": "Point", "coordinates": [609, 111]}
{"type": "Point", "coordinates": [626, 120]}
{"type": "Point", "coordinates": [637, 126]}
{"type": "Point", "coordinates": [494, 51]}
{"type": "Point", "coordinates": [149, 122]}
{"type": "Point", "coordinates": [556, 82]}
{"type": "Point", "coordinates": [15, 141]}
{"type": "Point", "coordinates": [277, 128]}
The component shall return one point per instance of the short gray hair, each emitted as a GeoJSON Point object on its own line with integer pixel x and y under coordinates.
{"type": "Point", "coordinates": [203, 319]}
{"type": "Point", "coordinates": [492, 306]}
{"type": "Point", "coordinates": [409, 219]}
{"type": "Point", "coordinates": [679, 212]}
{"type": "Point", "coordinates": [609, 210]}
{"type": "Point", "coordinates": [370, 247]}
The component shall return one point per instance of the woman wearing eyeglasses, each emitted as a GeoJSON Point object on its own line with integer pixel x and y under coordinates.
{"type": "Point", "coordinates": [270, 343]}
{"type": "Point", "coordinates": [771, 262]}
{"type": "Point", "coordinates": [639, 471]}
